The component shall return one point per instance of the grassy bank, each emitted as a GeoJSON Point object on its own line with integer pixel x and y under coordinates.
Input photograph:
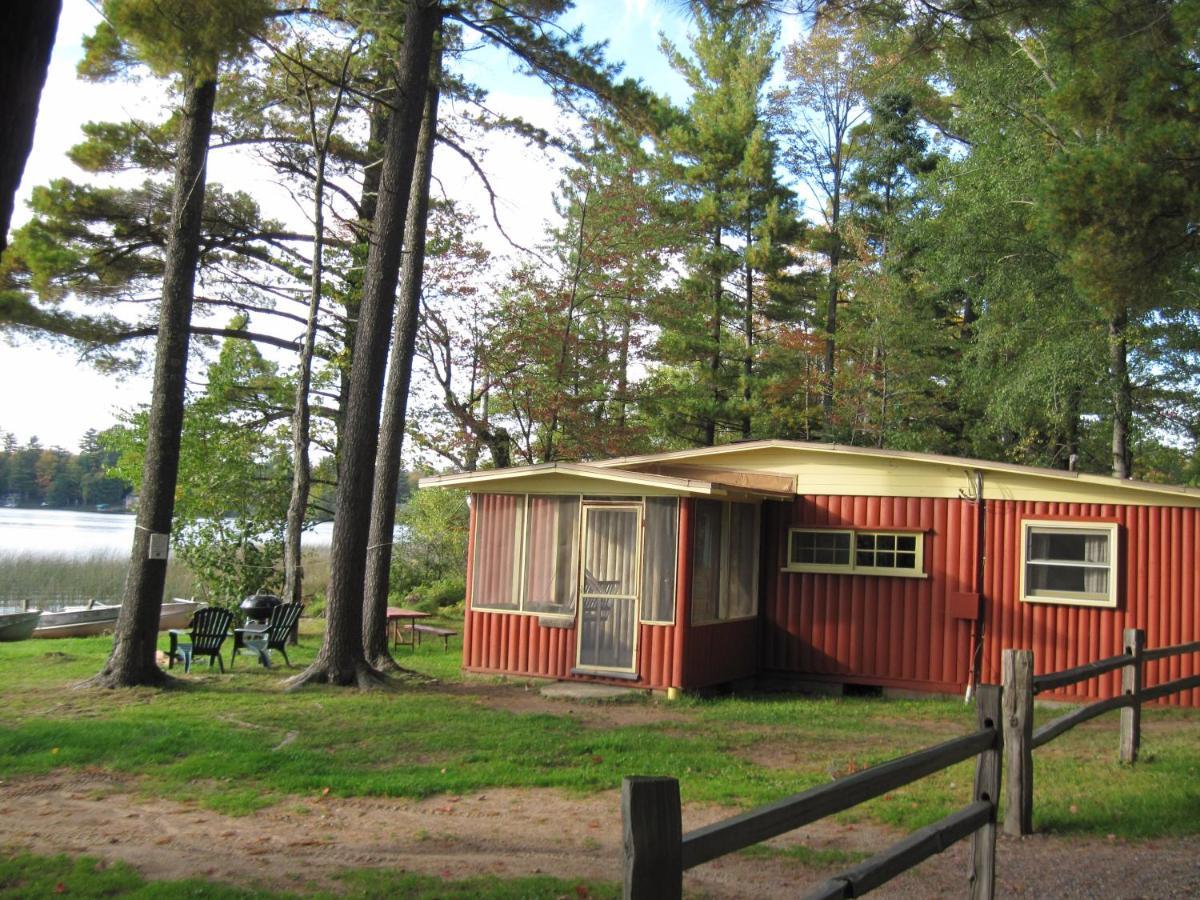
{"type": "Point", "coordinates": [25, 875]}
{"type": "Point", "coordinates": [426, 739]}
{"type": "Point", "coordinates": [53, 580]}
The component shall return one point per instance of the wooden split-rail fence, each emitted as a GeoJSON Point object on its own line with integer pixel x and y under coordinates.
{"type": "Point", "coordinates": [657, 852]}
{"type": "Point", "coordinates": [1021, 685]}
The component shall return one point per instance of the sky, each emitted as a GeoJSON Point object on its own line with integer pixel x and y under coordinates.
{"type": "Point", "coordinates": [52, 394]}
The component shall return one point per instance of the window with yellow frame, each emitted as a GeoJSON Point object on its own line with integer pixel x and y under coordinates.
{"type": "Point", "coordinates": [856, 552]}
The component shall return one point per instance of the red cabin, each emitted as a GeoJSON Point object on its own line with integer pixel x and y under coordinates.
{"type": "Point", "coordinates": [815, 563]}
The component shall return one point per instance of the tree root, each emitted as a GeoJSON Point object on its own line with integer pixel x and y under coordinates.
{"type": "Point", "coordinates": [359, 674]}
{"type": "Point", "coordinates": [110, 678]}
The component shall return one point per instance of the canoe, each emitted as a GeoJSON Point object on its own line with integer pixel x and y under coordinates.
{"type": "Point", "coordinates": [17, 626]}
{"type": "Point", "coordinates": [99, 618]}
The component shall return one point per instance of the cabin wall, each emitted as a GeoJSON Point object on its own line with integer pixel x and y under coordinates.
{"type": "Point", "coordinates": [872, 629]}
{"type": "Point", "coordinates": [1159, 588]}
{"type": "Point", "coordinates": [518, 644]}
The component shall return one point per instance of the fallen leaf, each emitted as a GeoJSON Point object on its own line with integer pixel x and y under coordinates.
{"type": "Point", "coordinates": [1073, 809]}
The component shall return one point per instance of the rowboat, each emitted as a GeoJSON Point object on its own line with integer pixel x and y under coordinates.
{"type": "Point", "coordinates": [100, 618]}
{"type": "Point", "coordinates": [17, 626]}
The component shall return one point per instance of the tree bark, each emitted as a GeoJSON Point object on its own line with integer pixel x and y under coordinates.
{"type": "Point", "coordinates": [714, 362]}
{"type": "Point", "coordinates": [368, 202]}
{"type": "Point", "coordinates": [132, 659]}
{"type": "Point", "coordinates": [1118, 354]}
{"type": "Point", "coordinates": [748, 359]}
{"type": "Point", "coordinates": [395, 410]}
{"type": "Point", "coordinates": [27, 29]}
{"type": "Point", "coordinates": [341, 659]}
{"type": "Point", "coordinates": [831, 310]}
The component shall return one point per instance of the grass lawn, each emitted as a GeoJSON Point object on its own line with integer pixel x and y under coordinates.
{"type": "Point", "coordinates": [252, 745]}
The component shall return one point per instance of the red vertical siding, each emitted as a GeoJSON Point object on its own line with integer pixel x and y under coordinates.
{"type": "Point", "coordinates": [1158, 590]}
{"type": "Point", "coordinates": [867, 628]}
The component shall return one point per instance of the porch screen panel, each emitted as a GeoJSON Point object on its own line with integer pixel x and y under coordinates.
{"type": "Point", "coordinates": [706, 561]}
{"type": "Point", "coordinates": [609, 588]}
{"type": "Point", "coordinates": [551, 555]}
{"type": "Point", "coordinates": [740, 593]}
{"type": "Point", "coordinates": [658, 562]}
{"type": "Point", "coordinates": [498, 521]}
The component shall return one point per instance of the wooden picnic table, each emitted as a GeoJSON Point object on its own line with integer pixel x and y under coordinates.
{"type": "Point", "coordinates": [397, 618]}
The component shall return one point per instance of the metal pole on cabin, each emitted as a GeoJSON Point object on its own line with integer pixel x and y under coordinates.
{"type": "Point", "coordinates": [1131, 686]}
{"type": "Point", "coordinates": [653, 838]}
{"type": "Point", "coordinates": [987, 788]}
{"type": "Point", "coordinates": [1017, 667]}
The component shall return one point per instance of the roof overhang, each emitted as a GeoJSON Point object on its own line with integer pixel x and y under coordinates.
{"type": "Point", "coordinates": [576, 478]}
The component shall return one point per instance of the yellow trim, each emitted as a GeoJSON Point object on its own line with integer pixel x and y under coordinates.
{"type": "Point", "coordinates": [1074, 598]}
{"type": "Point", "coordinates": [852, 567]}
{"type": "Point", "coordinates": [573, 478]}
{"type": "Point", "coordinates": [869, 472]}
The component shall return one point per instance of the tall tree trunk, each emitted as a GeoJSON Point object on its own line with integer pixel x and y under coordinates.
{"type": "Point", "coordinates": [714, 362]}
{"type": "Point", "coordinates": [831, 309]}
{"type": "Point", "coordinates": [1118, 354]}
{"type": "Point", "coordinates": [367, 204]}
{"type": "Point", "coordinates": [748, 359]}
{"type": "Point", "coordinates": [395, 410]}
{"type": "Point", "coordinates": [293, 571]}
{"type": "Point", "coordinates": [27, 29]}
{"type": "Point", "coordinates": [132, 659]}
{"type": "Point", "coordinates": [623, 367]}
{"type": "Point", "coordinates": [341, 659]}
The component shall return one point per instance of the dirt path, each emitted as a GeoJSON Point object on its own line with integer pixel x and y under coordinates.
{"type": "Point", "coordinates": [511, 832]}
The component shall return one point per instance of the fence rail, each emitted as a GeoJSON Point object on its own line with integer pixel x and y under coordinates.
{"type": "Point", "coordinates": [656, 851]}
{"type": "Point", "coordinates": [1020, 686]}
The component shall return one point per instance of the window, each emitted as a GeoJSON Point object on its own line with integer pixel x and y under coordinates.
{"type": "Point", "coordinates": [856, 552]}
{"type": "Point", "coordinates": [724, 561]}
{"type": "Point", "coordinates": [658, 559]}
{"type": "Point", "coordinates": [526, 554]}
{"type": "Point", "coordinates": [495, 576]}
{"type": "Point", "coordinates": [551, 566]}
{"type": "Point", "coordinates": [1067, 562]}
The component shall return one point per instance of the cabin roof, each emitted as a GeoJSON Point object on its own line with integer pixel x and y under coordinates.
{"type": "Point", "coordinates": [779, 467]}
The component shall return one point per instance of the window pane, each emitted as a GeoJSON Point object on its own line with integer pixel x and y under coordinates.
{"type": "Point", "coordinates": [906, 542]}
{"type": "Point", "coordinates": [551, 546]}
{"type": "Point", "coordinates": [906, 560]}
{"type": "Point", "coordinates": [612, 539]}
{"type": "Point", "coordinates": [864, 559]}
{"type": "Point", "coordinates": [497, 543]}
{"type": "Point", "coordinates": [658, 569]}
{"type": "Point", "coordinates": [706, 560]}
{"type": "Point", "coordinates": [739, 595]}
{"type": "Point", "coordinates": [1052, 544]}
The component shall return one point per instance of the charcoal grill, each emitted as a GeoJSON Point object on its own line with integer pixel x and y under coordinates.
{"type": "Point", "coordinates": [257, 607]}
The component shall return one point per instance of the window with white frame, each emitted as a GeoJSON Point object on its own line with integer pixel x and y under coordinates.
{"type": "Point", "coordinates": [1069, 562]}
{"type": "Point", "coordinates": [856, 551]}
{"type": "Point", "coordinates": [724, 561]}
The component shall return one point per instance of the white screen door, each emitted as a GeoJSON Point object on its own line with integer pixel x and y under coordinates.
{"type": "Point", "coordinates": [608, 613]}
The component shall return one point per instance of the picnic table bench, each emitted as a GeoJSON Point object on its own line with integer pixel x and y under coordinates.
{"type": "Point", "coordinates": [445, 634]}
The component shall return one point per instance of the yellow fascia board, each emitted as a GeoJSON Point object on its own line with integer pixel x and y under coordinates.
{"type": "Point", "coordinates": [863, 471]}
{"type": "Point", "coordinates": [574, 478]}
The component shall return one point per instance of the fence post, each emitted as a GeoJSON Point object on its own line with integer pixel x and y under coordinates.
{"type": "Point", "coordinates": [653, 838]}
{"type": "Point", "coordinates": [1017, 668]}
{"type": "Point", "coordinates": [987, 787]}
{"type": "Point", "coordinates": [1131, 686]}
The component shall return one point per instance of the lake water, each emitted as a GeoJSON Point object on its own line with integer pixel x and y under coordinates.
{"type": "Point", "coordinates": [54, 532]}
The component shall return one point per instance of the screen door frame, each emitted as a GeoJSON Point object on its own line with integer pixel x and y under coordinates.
{"type": "Point", "coordinates": [634, 599]}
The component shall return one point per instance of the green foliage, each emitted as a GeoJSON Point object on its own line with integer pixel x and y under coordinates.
{"type": "Point", "coordinates": [720, 159]}
{"type": "Point", "coordinates": [234, 478]}
{"type": "Point", "coordinates": [188, 37]}
{"type": "Point", "coordinates": [429, 558]}
{"type": "Point", "coordinates": [37, 476]}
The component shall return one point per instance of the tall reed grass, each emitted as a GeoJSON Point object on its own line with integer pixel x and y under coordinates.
{"type": "Point", "coordinates": [50, 581]}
